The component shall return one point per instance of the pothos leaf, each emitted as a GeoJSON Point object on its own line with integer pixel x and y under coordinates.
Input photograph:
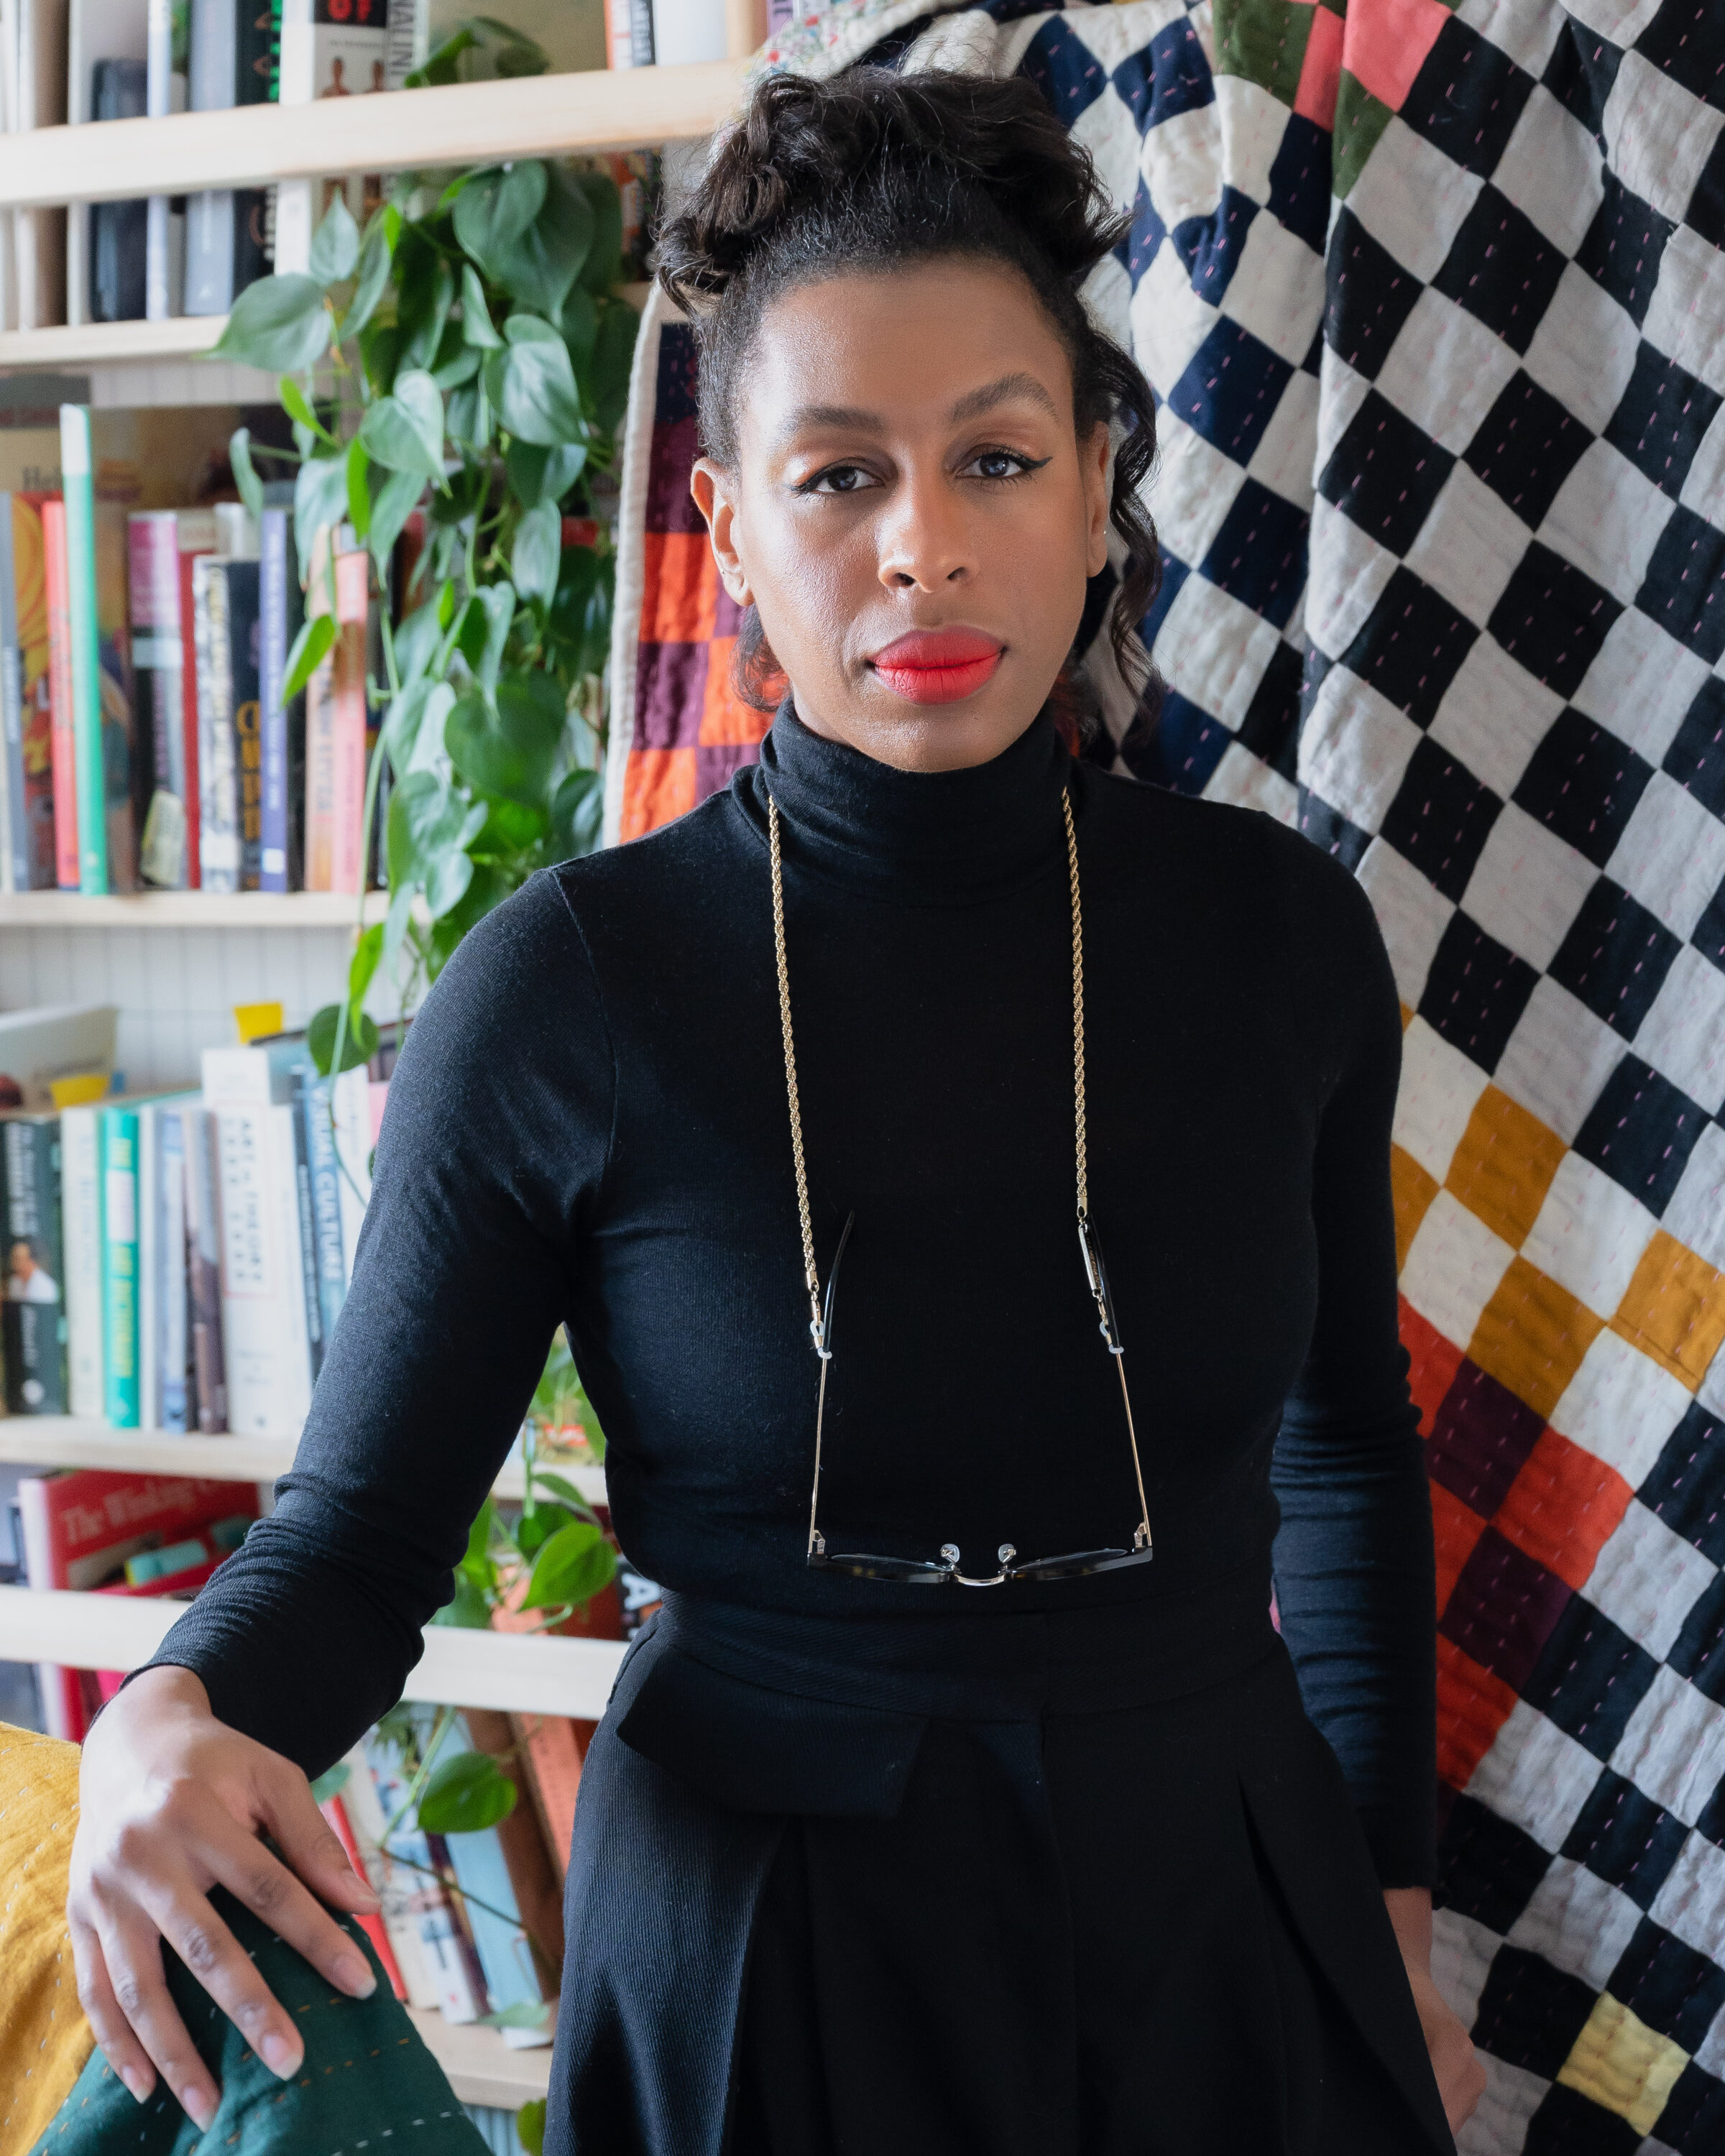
{"type": "Point", "coordinates": [334, 244]}
{"type": "Point", "coordinates": [466, 1794]}
{"type": "Point", "coordinates": [245, 476]}
{"type": "Point", "coordinates": [309, 650]}
{"type": "Point", "coordinates": [374, 264]}
{"type": "Point", "coordinates": [278, 323]}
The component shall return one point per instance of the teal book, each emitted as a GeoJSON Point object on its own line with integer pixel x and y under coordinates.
{"type": "Point", "coordinates": [119, 1139]}
{"type": "Point", "coordinates": [92, 785]}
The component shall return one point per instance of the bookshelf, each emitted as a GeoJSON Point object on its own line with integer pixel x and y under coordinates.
{"type": "Point", "coordinates": [189, 909]}
{"type": "Point", "coordinates": [480, 2066]}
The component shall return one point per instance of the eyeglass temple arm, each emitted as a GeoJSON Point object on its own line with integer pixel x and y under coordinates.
{"type": "Point", "coordinates": [822, 1329]}
{"type": "Point", "coordinates": [1097, 1274]}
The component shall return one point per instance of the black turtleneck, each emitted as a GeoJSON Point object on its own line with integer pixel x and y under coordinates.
{"type": "Point", "coordinates": [588, 1123]}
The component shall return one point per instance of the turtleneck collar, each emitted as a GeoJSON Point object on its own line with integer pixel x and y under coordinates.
{"type": "Point", "coordinates": [954, 837]}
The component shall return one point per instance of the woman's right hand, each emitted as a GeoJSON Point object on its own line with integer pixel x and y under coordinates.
{"type": "Point", "coordinates": [172, 1802]}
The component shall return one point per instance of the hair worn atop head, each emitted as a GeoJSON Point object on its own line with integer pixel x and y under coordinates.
{"type": "Point", "coordinates": [875, 171]}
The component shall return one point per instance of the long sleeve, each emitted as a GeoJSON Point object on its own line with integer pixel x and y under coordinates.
{"type": "Point", "coordinates": [1353, 1561]}
{"type": "Point", "coordinates": [496, 1134]}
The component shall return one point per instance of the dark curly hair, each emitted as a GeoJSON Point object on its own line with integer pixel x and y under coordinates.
{"type": "Point", "coordinates": [871, 172]}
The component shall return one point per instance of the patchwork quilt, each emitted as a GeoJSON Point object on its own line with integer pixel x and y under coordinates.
{"type": "Point", "coordinates": [1432, 301]}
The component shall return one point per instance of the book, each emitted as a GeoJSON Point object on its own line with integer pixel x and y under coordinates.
{"type": "Point", "coordinates": [165, 227]}
{"type": "Point", "coordinates": [39, 236]}
{"type": "Point", "coordinates": [117, 1141]}
{"type": "Point", "coordinates": [554, 1748]}
{"type": "Point", "coordinates": [168, 1403]}
{"type": "Point", "coordinates": [242, 579]}
{"type": "Point", "coordinates": [229, 64]}
{"type": "Point", "coordinates": [49, 1041]}
{"type": "Point", "coordinates": [118, 236]}
{"type": "Point", "coordinates": [26, 587]}
{"type": "Point", "coordinates": [63, 752]}
{"type": "Point", "coordinates": [395, 1885]}
{"type": "Point", "coordinates": [32, 1317]}
{"type": "Point", "coordinates": [95, 30]}
{"type": "Point", "coordinates": [266, 1345]}
{"type": "Point", "coordinates": [208, 1403]}
{"type": "Point", "coordinates": [81, 1246]}
{"type": "Point", "coordinates": [322, 1208]}
{"type": "Point", "coordinates": [219, 848]}
{"type": "Point", "coordinates": [451, 1968]}
{"type": "Point", "coordinates": [336, 732]}
{"type": "Point", "coordinates": [685, 31]}
{"type": "Point", "coordinates": [80, 1528]}
{"type": "Point", "coordinates": [335, 48]}
{"type": "Point", "coordinates": [195, 534]}
{"type": "Point", "coordinates": [101, 699]}
{"type": "Point", "coordinates": [371, 1923]}
{"type": "Point", "coordinates": [158, 658]}
{"type": "Point", "coordinates": [536, 1882]}
{"type": "Point", "coordinates": [282, 725]}
{"type": "Point", "coordinates": [15, 848]}
{"type": "Point", "coordinates": [492, 1913]}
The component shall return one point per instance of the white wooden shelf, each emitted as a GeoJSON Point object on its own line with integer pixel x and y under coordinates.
{"type": "Point", "coordinates": [99, 344]}
{"type": "Point", "coordinates": [189, 909]}
{"type": "Point", "coordinates": [71, 1441]}
{"type": "Point", "coordinates": [480, 2066]}
{"type": "Point", "coordinates": [395, 130]}
{"type": "Point", "coordinates": [510, 1672]}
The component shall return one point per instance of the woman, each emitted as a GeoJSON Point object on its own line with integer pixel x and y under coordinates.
{"type": "Point", "coordinates": [865, 1860]}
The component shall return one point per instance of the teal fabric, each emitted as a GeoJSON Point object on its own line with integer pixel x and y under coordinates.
{"type": "Point", "coordinates": [367, 2083]}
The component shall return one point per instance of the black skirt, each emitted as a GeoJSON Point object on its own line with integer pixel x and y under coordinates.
{"type": "Point", "coordinates": [1089, 1885]}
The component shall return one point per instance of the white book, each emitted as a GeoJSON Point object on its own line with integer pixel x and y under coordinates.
{"type": "Point", "coordinates": [95, 30]}
{"type": "Point", "coordinates": [81, 1232]}
{"type": "Point", "coordinates": [165, 94]}
{"type": "Point", "coordinates": [352, 1103]}
{"type": "Point", "coordinates": [39, 236]}
{"type": "Point", "coordinates": [149, 1274]}
{"type": "Point", "coordinates": [399, 1890]}
{"type": "Point", "coordinates": [171, 1287]}
{"type": "Point", "coordinates": [452, 1978]}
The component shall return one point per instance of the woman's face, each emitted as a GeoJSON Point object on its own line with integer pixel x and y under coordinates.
{"type": "Point", "coordinates": [910, 508]}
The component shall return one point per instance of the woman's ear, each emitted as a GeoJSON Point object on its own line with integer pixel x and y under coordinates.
{"type": "Point", "coordinates": [711, 484]}
{"type": "Point", "coordinates": [1093, 460]}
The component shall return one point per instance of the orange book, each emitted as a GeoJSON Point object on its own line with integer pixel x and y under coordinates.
{"type": "Point", "coordinates": [336, 1812]}
{"type": "Point", "coordinates": [62, 753]}
{"type": "Point", "coordinates": [554, 1748]}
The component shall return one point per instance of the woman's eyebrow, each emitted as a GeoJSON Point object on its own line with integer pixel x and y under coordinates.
{"type": "Point", "coordinates": [850, 418]}
{"type": "Point", "coordinates": [976, 402]}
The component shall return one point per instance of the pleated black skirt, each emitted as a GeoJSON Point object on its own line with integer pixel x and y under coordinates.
{"type": "Point", "coordinates": [1093, 1929]}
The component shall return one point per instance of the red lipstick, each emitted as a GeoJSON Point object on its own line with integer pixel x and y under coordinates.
{"type": "Point", "coordinates": [937, 665]}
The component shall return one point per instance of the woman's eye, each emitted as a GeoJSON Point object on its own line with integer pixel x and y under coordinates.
{"type": "Point", "coordinates": [1003, 464]}
{"type": "Point", "coordinates": [838, 479]}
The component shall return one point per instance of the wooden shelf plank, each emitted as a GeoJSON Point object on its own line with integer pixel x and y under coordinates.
{"type": "Point", "coordinates": [395, 130]}
{"type": "Point", "coordinates": [188, 909]}
{"type": "Point", "coordinates": [98, 344]}
{"type": "Point", "coordinates": [513, 1673]}
{"type": "Point", "coordinates": [480, 2066]}
{"type": "Point", "coordinates": [68, 1441]}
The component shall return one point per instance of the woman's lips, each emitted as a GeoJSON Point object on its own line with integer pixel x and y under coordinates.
{"type": "Point", "coordinates": [937, 665]}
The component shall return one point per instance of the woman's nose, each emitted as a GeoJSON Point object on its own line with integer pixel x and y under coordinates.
{"type": "Point", "coordinates": [925, 542]}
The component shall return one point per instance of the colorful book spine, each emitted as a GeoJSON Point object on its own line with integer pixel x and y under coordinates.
{"type": "Point", "coordinates": [196, 535]}
{"type": "Point", "coordinates": [203, 1270]}
{"type": "Point", "coordinates": [81, 1230]}
{"type": "Point", "coordinates": [397, 1886]}
{"type": "Point", "coordinates": [171, 1261]}
{"type": "Point", "coordinates": [241, 579]}
{"type": "Point", "coordinates": [29, 584]}
{"type": "Point", "coordinates": [33, 1316]}
{"type": "Point", "coordinates": [493, 1914]}
{"type": "Point", "coordinates": [218, 763]}
{"type": "Point", "coordinates": [118, 1137]}
{"type": "Point", "coordinates": [76, 477]}
{"type": "Point", "coordinates": [371, 1922]}
{"type": "Point", "coordinates": [149, 1266]}
{"type": "Point", "coordinates": [158, 664]}
{"type": "Point", "coordinates": [278, 586]}
{"type": "Point", "coordinates": [335, 723]}
{"type": "Point", "coordinates": [64, 750]}
{"type": "Point", "coordinates": [446, 1950]}
{"type": "Point", "coordinates": [14, 841]}
{"type": "Point", "coordinates": [306, 1248]}
{"type": "Point", "coordinates": [323, 1226]}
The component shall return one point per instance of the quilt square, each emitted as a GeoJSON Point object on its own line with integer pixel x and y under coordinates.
{"type": "Point", "coordinates": [1696, 758]}
{"type": "Point", "coordinates": [1300, 181]}
{"type": "Point", "coordinates": [1641, 684]}
{"type": "Point", "coordinates": [1494, 715]}
{"type": "Point", "coordinates": [1412, 198]}
{"type": "Point", "coordinates": [1527, 886]}
{"type": "Point", "coordinates": [1684, 590]}
{"type": "Point", "coordinates": [1065, 69]}
{"type": "Point", "coordinates": [1626, 1838]}
{"type": "Point", "coordinates": [1476, 992]}
{"type": "Point", "coordinates": [1550, 171]}
{"type": "Point", "coordinates": [1685, 1486]}
{"type": "Point", "coordinates": [1540, 1778]}
{"type": "Point", "coordinates": [1230, 388]}
{"type": "Point", "coordinates": [1440, 818]}
{"type": "Point", "coordinates": [1698, 1653]}
{"type": "Point", "coordinates": [1563, 1507]}
{"type": "Point", "coordinates": [1168, 76]}
{"type": "Point", "coordinates": [1583, 65]}
{"type": "Point", "coordinates": [1503, 1164]}
{"type": "Point", "coordinates": [1610, 2090]}
{"type": "Point", "coordinates": [1469, 547]}
{"type": "Point", "coordinates": [1624, 246]}
{"type": "Point", "coordinates": [1467, 98]}
{"type": "Point", "coordinates": [1673, 1745]}
{"type": "Point", "coordinates": [1212, 247]}
{"type": "Point", "coordinates": [1660, 423]}
{"type": "Point", "coordinates": [1278, 294]}
{"type": "Point", "coordinates": [1693, 2120]}
{"type": "Point", "coordinates": [1616, 957]}
{"type": "Point", "coordinates": [1504, 1608]}
{"type": "Point", "coordinates": [1444, 370]}
{"type": "Point", "coordinates": [1668, 1985]}
{"type": "Point", "coordinates": [1590, 1678]}
{"type": "Point", "coordinates": [1709, 937]}
{"type": "Point", "coordinates": [1501, 268]}
{"type": "Point", "coordinates": [1412, 646]}
{"type": "Point", "coordinates": [1370, 296]}
{"type": "Point", "coordinates": [1579, 1922]}
{"type": "Point", "coordinates": [1526, 447]}
{"type": "Point", "coordinates": [1530, 2013]}
{"type": "Point", "coordinates": [1650, 1581]}
{"type": "Point", "coordinates": [1270, 727]}
{"type": "Point", "coordinates": [1671, 856]}
{"type": "Point", "coordinates": [1676, 41]}
{"type": "Point", "coordinates": [1607, 521]}
{"type": "Point", "coordinates": [1674, 1308]}
{"type": "Point", "coordinates": [1384, 473]}
{"type": "Point", "coordinates": [1187, 746]}
{"type": "Point", "coordinates": [1582, 783]}
{"type": "Point", "coordinates": [1583, 351]}
{"type": "Point", "coordinates": [1259, 556]}
{"type": "Point", "coordinates": [1559, 1056]}
{"type": "Point", "coordinates": [1706, 213]}
{"type": "Point", "coordinates": [1552, 620]}
{"type": "Point", "coordinates": [1659, 131]}
{"type": "Point", "coordinates": [1488, 1868]}
{"type": "Point", "coordinates": [1640, 1132]}
{"type": "Point", "coordinates": [1481, 1440]}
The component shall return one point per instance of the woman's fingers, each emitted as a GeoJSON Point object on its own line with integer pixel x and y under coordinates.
{"type": "Point", "coordinates": [270, 1891]}
{"type": "Point", "coordinates": [111, 2030]}
{"type": "Point", "coordinates": [132, 1953]}
{"type": "Point", "coordinates": [183, 1915]}
{"type": "Point", "coordinates": [306, 1839]}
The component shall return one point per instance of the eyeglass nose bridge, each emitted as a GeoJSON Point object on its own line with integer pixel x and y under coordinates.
{"type": "Point", "coordinates": [951, 1556]}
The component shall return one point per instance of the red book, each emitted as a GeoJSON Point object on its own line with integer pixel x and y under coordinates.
{"type": "Point", "coordinates": [80, 1528]}
{"type": "Point", "coordinates": [62, 755]}
{"type": "Point", "coordinates": [336, 1812]}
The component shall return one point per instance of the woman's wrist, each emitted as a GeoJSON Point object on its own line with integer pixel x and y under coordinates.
{"type": "Point", "coordinates": [1411, 1914]}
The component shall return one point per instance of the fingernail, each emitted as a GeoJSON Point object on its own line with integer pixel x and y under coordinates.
{"type": "Point", "coordinates": [280, 2056]}
{"type": "Point", "coordinates": [198, 2107]}
{"type": "Point", "coordinates": [364, 1899]}
{"type": "Point", "coordinates": [137, 2085]}
{"type": "Point", "coordinates": [354, 1976]}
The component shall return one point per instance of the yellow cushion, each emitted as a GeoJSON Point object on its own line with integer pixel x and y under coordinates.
{"type": "Point", "coordinates": [44, 2039]}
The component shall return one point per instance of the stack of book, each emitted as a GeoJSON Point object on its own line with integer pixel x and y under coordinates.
{"type": "Point", "coordinates": [178, 1261]}
{"type": "Point", "coordinates": [146, 739]}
